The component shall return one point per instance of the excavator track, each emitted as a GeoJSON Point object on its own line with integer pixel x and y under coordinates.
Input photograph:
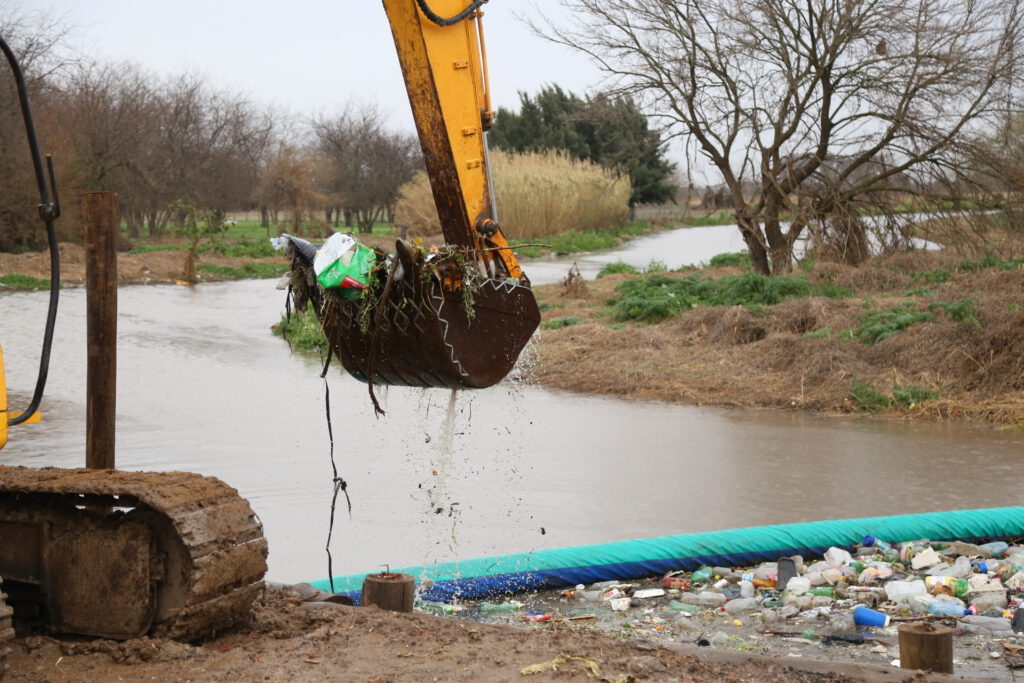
{"type": "Point", "coordinates": [124, 554]}
{"type": "Point", "coordinates": [6, 630]}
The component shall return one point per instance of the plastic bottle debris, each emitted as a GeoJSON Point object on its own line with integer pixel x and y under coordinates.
{"type": "Point", "coordinates": [947, 585]}
{"type": "Point", "coordinates": [702, 575]}
{"type": "Point", "coordinates": [491, 608]}
{"type": "Point", "coordinates": [980, 624]}
{"type": "Point", "coordinates": [944, 608]}
{"type": "Point", "coordinates": [901, 591]}
{"type": "Point", "coordinates": [837, 557]}
{"type": "Point", "coordinates": [677, 606]}
{"type": "Point", "coordinates": [741, 605]}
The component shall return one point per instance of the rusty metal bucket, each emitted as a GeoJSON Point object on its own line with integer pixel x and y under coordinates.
{"type": "Point", "coordinates": [423, 332]}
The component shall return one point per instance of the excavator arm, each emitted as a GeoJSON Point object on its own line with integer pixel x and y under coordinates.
{"type": "Point", "coordinates": [441, 50]}
{"type": "Point", "coordinates": [459, 317]}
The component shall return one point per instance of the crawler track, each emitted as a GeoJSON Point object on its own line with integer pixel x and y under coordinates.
{"type": "Point", "coordinates": [6, 631]}
{"type": "Point", "coordinates": [128, 553]}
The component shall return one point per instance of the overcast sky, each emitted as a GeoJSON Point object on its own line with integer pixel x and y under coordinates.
{"type": "Point", "coordinates": [306, 55]}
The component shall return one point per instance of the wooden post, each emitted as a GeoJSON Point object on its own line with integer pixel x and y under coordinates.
{"type": "Point", "coordinates": [393, 592]}
{"type": "Point", "coordinates": [928, 647]}
{"type": "Point", "coordinates": [99, 214]}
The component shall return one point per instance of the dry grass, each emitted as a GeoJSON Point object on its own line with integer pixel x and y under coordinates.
{"type": "Point", "coordinates": [538, 195]}
{"type": "Point", "coordinates": [736, 356]}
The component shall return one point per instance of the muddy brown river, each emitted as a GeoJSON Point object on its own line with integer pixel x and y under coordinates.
{"type": "Point", "coordinates": [203, 386]}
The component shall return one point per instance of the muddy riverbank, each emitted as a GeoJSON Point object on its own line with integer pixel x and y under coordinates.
{"type": "Point", "coordinates": [294, 641]}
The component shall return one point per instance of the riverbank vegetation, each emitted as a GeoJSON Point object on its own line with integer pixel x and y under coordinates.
{"type": "Point", "coordinates": [911, 334]}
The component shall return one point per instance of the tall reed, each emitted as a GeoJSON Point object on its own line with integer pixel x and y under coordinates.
{"type": "Point", "coordinates": [538, 194]}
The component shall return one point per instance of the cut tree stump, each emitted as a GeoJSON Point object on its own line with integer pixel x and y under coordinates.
{"type": "Point", "coordinates": [394, 592]}
{"type": "Point", "coordinates": [928, 647]}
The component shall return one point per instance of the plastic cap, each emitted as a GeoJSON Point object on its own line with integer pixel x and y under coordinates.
{"type": "Point", "coordinates": [868, 541]}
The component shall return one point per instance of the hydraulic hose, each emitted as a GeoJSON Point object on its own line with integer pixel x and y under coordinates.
{"type": "Point", "coordinates": [48, 212]}
{"type": "Point", "coordinates": [442, 21]}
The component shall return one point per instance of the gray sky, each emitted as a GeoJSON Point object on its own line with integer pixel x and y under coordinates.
{"type": "Point", "coordinates": [306, 56]}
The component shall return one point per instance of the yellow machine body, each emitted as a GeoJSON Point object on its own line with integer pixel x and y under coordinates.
{"type": "Point", "coordinates": [6, 416]}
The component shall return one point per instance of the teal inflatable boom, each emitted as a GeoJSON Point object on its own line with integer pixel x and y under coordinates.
{"type": "Point", "coordinates": [560, 567]}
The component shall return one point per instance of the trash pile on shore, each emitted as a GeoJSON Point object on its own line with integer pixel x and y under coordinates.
{"type": "Point", "coordinates": [850, 596]}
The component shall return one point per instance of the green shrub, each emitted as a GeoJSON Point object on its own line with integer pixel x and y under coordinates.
{"type": "Point", "coordinates": [920, 291]}
{"type": "Point", "coordinates": [878, 325]}
{"type": "Point", "coordinates": [558, 323]}
{"type": "Point", "coordinates": [866, 398]}
{"type": "Point", "coordinates": [616, 268]}
{"type": "Point", "coordinates": [656, 265]}
{"type": "Point", "coordinates": [962, 311]}
{"type": "Point", "coordinates": [935, 277]}
{"type": "Point", "coordinates": [655, 297]}
{"type": "Point", "coordinates": [302, 332]}
{"type": "Point", "coordinates": [739, 259]}
{"type": "Point", "coordinates": [911, 394]}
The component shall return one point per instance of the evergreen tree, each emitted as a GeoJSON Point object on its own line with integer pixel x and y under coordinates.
{"type": "Point", "coordinates": [606, 130]}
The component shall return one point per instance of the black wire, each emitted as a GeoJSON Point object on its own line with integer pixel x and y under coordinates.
{"type": "Point", "coordinates": [442, 21]}
{"type": "Point", "coordinates": [48, 212]}
{"type": "Point", "coordinates": [339, 483]}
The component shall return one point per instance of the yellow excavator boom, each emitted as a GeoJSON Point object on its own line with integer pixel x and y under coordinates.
{"type": "Point", "coordinates": [445, 70]}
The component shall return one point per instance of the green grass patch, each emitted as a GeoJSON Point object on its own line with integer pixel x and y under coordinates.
{"type": "Point", "coordinates": [716, 218]}
{"type": "Point", "coordinates": [250, 271]}
{"type": "Point", "coordinates": [302, 331]}
{"type": "Point", "coordinates": [576, 241]}
{"type": "Point", "coordinates": [656, 265]}
{"type": "Point", "coordinates": [961, 311]}
{"type": "Point", "coordinates": [734, 259]}
{"type": "Point", "coordinates": [932, 277]}
{"type": "Point", "coordinates": [559, 323]}
{"type": "Point", "coordinates": [24, 282]}
{"type": "Point", "coordinates": [616, 268]}
{"type": "Point", "coordinates": [655, 297]}
{"type": "Point", "coordinates": [911, 394]}
{"type": "Point", "coordinates": [866, 398]}
{"type": "Point", "coordinates": [878, 325]}
{"type": "Point", "coordinates": [921, 291]}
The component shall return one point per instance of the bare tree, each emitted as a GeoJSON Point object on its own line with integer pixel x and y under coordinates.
{"type": "Point", "coordinates": [291, 179]}
{"type": "Point", "coordinates": [36, 40]}
{"type": "Point", "coordinates": [862, 98]}
{"type": "Point", "coordinates": [368, 163]}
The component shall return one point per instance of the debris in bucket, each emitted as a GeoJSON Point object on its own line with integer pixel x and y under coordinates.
{"type": "Point", "coordinates": [848, 604]}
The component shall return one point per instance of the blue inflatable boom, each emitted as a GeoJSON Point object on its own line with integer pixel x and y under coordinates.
{"type": "Point", "coordinates": [486, 577]}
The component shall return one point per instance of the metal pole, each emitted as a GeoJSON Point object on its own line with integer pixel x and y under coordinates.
{"type": "Point", "coordinates": [99, 213]}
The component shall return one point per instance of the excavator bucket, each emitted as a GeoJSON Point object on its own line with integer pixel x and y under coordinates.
{"type": "Point", "coordinates": [430, 326]}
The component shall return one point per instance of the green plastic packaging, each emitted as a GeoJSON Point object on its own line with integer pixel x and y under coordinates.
{"type": "Point", "coordinates": [350, 272]}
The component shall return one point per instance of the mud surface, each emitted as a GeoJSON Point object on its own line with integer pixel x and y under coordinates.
{"type": "Point", "coordinates": [294, 641]}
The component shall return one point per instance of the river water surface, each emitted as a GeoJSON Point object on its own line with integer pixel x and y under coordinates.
{"type": "Point", "coordinates": [203, 386]}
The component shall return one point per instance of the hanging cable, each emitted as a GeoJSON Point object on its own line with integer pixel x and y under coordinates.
{"type": "Point", "coordinates": [48, 212]}
{"type": "Point", "coordinates": [442, 21]}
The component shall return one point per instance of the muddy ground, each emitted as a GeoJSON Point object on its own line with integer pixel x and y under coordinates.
{"type": "Point", "coordinates": [294, 641]}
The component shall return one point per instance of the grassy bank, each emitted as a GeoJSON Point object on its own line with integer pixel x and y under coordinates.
{"type": "Point", "coordinates": [918, 335]}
